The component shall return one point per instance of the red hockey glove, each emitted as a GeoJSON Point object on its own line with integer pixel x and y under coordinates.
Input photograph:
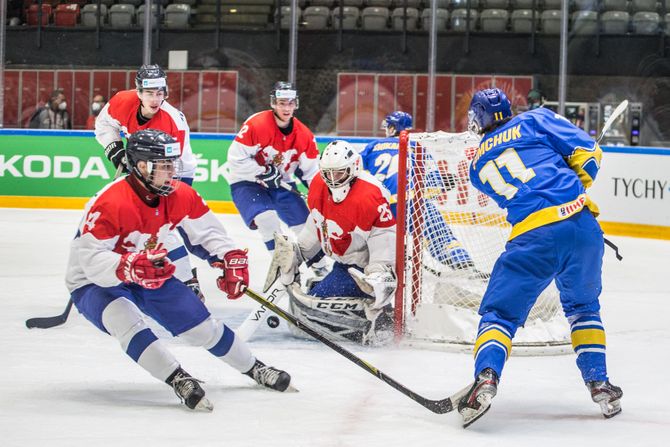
{"type": "Point", "coordinates": [150, 269]}
{"type": "Point", "coordinates": [235, 276]}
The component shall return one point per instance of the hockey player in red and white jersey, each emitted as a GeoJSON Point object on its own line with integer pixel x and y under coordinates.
{"type": "Point", "coordinates": [351, 222]}
{"type": "Point", "coordinates": [146, 107]}
{"type": "Point", "coordinates": [269, 149]}
{"type": "Point", "coordinates": [119, 269]}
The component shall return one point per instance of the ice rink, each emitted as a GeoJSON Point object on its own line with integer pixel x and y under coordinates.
{"type": "Point", "coordinates": [73, 386]}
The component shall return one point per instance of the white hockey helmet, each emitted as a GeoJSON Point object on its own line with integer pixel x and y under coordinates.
{"type": "Point", "coordinates": [340, 164]}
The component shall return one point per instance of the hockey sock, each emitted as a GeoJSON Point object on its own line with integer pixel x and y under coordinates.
{"type": "Point", "coordinates": [492, 347]}
{"type": "Point", "coordinates": [588, 341]}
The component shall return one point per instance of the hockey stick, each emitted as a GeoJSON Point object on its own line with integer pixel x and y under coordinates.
{"type": "Point", "coordinates": [613, 117]}
{"type": "Point", "coordinates": [49, 322]}
{"type": "Point", "coordinates": [436, 406]}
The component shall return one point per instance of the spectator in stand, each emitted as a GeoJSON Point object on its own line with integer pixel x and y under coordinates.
{"type": "Point", "coordinates": [53, 115]}
{"type": "Point", "coordinates": [98, 103]}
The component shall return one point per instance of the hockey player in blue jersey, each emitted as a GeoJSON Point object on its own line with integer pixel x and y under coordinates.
{"type": "Point", "coordinates": [380, 158]}
{"type": "Point", "coordinates": [537, 166]}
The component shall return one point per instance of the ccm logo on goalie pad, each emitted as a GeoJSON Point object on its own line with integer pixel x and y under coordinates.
{"type": "Point", "coordinates": [335, 305]}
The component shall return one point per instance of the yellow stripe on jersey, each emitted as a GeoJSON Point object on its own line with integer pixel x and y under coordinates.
{"type": "Point", "coordinates": [580, 160]}
{"type": "Point", "coordinates": [587, 337]}
{"type": "Point", "coordinates": [493, 334]}
{"type": "Point", "coordinates": [554, 214]}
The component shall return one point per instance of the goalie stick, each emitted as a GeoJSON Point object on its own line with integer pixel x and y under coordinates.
{"type": "Point", "coordinates": [49, 322]}
{"type": "Point", "coordinates": [436, 406]}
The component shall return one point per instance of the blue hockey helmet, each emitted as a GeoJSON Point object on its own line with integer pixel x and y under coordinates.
{"type": "Point", "coordinates": [488, 108]}
{"type": "Point", "coordinates": [399, 120]}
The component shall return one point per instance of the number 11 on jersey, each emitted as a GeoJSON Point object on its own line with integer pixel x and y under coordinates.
{"type": "Point", "coordinates": [490, 173]}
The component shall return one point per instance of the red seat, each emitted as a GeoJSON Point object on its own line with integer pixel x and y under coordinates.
{"type": "Point", "coordinates": [66, 15]}
{"type": "Point", "coordinates": [31, 14]}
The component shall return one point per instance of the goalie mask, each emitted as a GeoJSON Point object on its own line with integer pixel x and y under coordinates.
{"type": "Point", "coordinates": [339, 165]}
{"type": "Point", "coordinates": [153, 157]}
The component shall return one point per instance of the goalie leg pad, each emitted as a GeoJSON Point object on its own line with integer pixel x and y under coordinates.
{"type": "Point", "coordinates": [339, 318]}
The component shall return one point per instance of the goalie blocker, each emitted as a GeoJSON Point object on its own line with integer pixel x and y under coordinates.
{"type": "Point", "coordinates": [342, 318]}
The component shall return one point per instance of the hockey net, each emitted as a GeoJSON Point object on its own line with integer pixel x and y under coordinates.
{"type": "Point", "coordinates": [449, 237]}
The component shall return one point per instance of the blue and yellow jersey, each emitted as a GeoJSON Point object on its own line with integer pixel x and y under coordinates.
{"type": "Point", "coordinates": [380, 158]}
{"type": "Point", "coordinates": [537, 166]}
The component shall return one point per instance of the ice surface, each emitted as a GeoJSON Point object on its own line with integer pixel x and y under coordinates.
{"type": "Point", "coordinates": [72, 385]}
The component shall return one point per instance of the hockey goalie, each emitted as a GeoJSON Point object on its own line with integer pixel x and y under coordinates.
{"type": "Point", "coordinates": [351, 222]}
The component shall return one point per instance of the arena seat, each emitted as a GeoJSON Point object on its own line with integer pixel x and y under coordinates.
{"type": "Point", "coordinates": [380, 3]}
{"type": "Point", "coordinates": [135, 3]}
{"type": "Point", "coordinates": [177, 15]}
{"type": "Point", "coordinates": [88, 14]}
{"type": "Point", "coordinates": [350, 17]}
{"type": "Point", "coordinates": [121, 16]}
{"type": "Point", "coordinates": [496, 4]}
{"type": "Point", "coordinates": [315, 17]}
{"type": "Point", "coordinates": [643, 5]}
{"type": "Point", "coordinates": [375, 19]}
{"type": "Point", "coordinates": [494, 20]}
{"type": "Point", "coordinates": [154, 7]}
{"type": "Point", "coordinates": [66, 15]}
{"type": "Point", "coordinates": [614, 22]}
{"type": "Point", "coordinates": [462, 4]}
{"type": "Point", "coordinates": [301, 3]}
{"type": "Point", "coordinates": [31, 14]}
{"type": "Point", "coordinates": [441, 19]}
{"type": "Point", "coordinates": [356, 3]}
{"type": "Point", "coordinates": [552, 5]}
{"type": "Point", "coordinates": [459, 18]}
{"type": "Point", "coordinates": [614, 5]}
{"type": "Point", "coordinates": [526, 4]}
{"type": "Point", "coordinates": [584, 22]}
{"type": "Point", "coordinates": [285, 21]}
{"type": "Point", "coordinates": [645, 22]}
{"type": "Point", "coordinates": [521, 20]}
{"type": "Point", "coordinates": [551, 21]}
{"type": "Point", "coordinates": [414, 3]}
{"type": "Point", "coordinates": [586, 5]}
{"type": "Point", "coordinates": [397, 18]}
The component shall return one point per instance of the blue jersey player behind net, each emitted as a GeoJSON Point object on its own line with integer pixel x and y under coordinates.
{"type": "Point", "coordinates": [537, 166]}
{"type": "Point", "coordinates": [380, 158]}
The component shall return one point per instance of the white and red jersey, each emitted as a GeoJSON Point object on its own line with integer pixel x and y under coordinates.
{"type": "Point", "coordinates": [260, 143]}
{"type": "Point", "coordinates": [360, 230]}
{"type": "Point", "coordinates": [120, 114]}
{"type": "Point", "coordinates": [117, 221]}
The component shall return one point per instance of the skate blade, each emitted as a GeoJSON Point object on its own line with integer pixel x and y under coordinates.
{"type": "Point", "coordinates": [291, 389]}
{"type": "Point", "coordinates": [204, 405]}
{"type": "Point", "coordinates": [471, 416]}
{"type": "Point", "coordinates": [610, 409]}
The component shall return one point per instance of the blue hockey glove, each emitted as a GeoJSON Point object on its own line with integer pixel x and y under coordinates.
{"type": "Point", "coordinates": [271, 178]}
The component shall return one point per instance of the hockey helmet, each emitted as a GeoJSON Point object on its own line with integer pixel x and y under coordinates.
{"type": "Point", "coordinates": [284, 90]}
{"type": "Point", "coordinates": [399, 121]}
{"type": "Point", "coordinates": [161, 152]}
{"type": "Point", "coordinates": [339, 165]}
{"type": "Point", "coordinates": [151, 77]}
{"type": "Point", "coordinates": [488, 108]}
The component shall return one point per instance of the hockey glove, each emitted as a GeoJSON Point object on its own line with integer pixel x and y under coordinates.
{"type": "Point", "coordinates": [117, 155]}
{"type": "Point", "coordinates": [235, 276]}
{"type": "Point", "coordinates": [150, 269]}
{"type": "Point", "coordinates": [271, 178]}
{"type": "Point", "coordinates": [377, 280]}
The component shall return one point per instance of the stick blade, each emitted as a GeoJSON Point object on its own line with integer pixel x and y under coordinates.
{"type": "Point", "coordinates": [44, 322]}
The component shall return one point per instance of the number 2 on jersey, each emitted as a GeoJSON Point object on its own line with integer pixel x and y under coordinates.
{"type": "Point", "coordinates": [509, 159]}
{"type": "Point", "coordinates": [388, 166]}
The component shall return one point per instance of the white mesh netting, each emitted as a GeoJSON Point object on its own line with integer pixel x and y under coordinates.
{"type": "Point", "coordinates": [452, 235]}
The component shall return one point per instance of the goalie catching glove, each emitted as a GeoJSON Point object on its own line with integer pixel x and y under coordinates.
{"type": "Point", "coordinates": [235, 276]}
{"type": "Point", "coordinates": [149, 269]}
{"type": "Point", "coordinates": [377, 280]}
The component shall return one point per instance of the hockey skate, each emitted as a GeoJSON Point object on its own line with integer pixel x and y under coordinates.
{"type": "Point", "coordinates": [188, 389]}
{"type": "Point", "coordinates": [194, 285]}
{"type": "Point", "coordinates": [606, 395]}
{"type": "Point", "coordinates": [478, 400]}
{"type": "Point", "coordinates": [270, 377]}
